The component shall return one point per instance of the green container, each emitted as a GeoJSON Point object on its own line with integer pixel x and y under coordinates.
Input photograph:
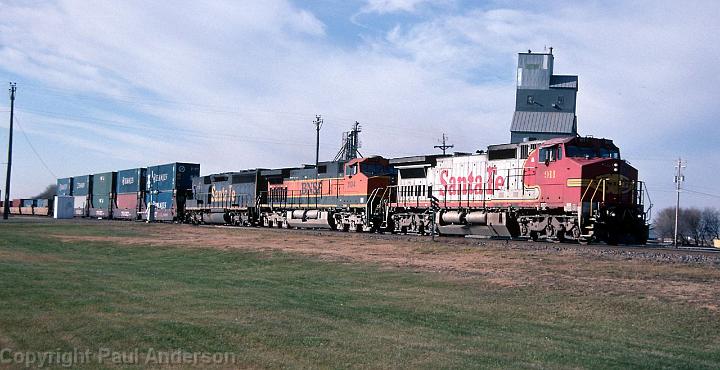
{"type": "Point", "coordinates": [101, 201]}
{"type": "Point", "coordinates": [103, 183]}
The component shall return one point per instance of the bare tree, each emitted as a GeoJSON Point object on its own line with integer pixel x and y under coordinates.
{"type": "Point", "coordinates": [691, 226]}
{"type": "Point", "coordinates": [48, 193]}
{"type": "Point", "coordinates": [711, 224]}
{"type": "Point", "coordinates": [664, 223]}
{"type": "Point", "coordinates": [695, 226]}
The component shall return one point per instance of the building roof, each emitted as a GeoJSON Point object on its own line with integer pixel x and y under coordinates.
{"type": "Point", "coordinates": [566, 82]}
{"type": "Point", "coordinates": [555, 122]}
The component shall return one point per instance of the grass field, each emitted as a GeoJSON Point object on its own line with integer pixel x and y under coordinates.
{"type": "Point", "coordinates": [278, 309]}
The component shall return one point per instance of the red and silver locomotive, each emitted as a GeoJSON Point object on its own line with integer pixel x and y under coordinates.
{"type": "Point", "coordinates": [565, 188]}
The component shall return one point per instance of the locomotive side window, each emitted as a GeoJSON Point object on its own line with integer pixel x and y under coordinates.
{"type": "Point", "coordinates": [412, 173]}
{"type": "Point", "coordinates": [550, 154]}
{"type": "Point", "coordinates": [351, 170]}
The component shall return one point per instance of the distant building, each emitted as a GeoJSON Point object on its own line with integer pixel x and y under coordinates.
{"type": "Point", "coordinates": [544, 103]}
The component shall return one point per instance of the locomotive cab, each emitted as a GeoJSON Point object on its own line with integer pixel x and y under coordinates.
{"type": "Point", "coordinates": [587, 175]}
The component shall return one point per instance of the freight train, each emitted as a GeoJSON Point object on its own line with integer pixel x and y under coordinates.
{"type": "Point", "coordinates": [572, 188]}
{"type": "Point", "coordinates": [548, 183]}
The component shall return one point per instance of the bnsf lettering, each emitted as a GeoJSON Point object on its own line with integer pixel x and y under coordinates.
{"type": "Point", "coordinates": [310, 188]}
{"type": "Point", "coordinates": [470, 184]}
{"type": "Point", "coordinates": [127, 180]}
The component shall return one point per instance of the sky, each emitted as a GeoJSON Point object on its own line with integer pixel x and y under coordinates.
{"type": "Point", "coordinates": [110, 85]}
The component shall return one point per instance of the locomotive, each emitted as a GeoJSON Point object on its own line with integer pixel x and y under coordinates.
{"type": "Point", "coordinates": [565, 188]}
{"type": "Point", "coordinates": [573, 188]}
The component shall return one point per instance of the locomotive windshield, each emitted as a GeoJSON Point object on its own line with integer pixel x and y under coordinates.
{"type": "Point", "coordinates": [375, 169]}
{"type": "Point", "coordinates": [591, 152]}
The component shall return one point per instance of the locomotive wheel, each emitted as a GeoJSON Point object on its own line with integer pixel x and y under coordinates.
{"type": "Point", "coordinates": [534, 236]}
{"type": "Point", "coordinates": [549, 230]}
{"type": "Point", "coordinates": [561, 235]}
{"type": "Point", "coordinates": [575, 233]}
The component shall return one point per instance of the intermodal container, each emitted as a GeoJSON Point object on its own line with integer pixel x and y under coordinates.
{"type": "Point", "coordinates": [101, 206]}
{"type": "Point", "coordinates": [166, 204]}
{"type": "Point", "coordinates": [172, 176]}
{"type": "Point", "coordinates": [128, 206]}
{"type": "Point", "coordinates": [26, 206]}
{"type": "Point", "coordinates": [42, 202]}
{"type": "Point", "coordinates": [65, 186]}
{"type": "Point", "coordinates": [81, 206]}
{"type": "Point", "coordinates": [103, 184]}
{"type": "Point", "coordinates": [82, 185]}
{"type": "Point", "coordinates": [130, 181]}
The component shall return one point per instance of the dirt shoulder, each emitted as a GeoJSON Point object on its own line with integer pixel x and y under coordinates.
{"type": "Point", "coordinates": [653, 274]}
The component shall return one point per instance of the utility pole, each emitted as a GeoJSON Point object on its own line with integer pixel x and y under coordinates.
{"type": "Point", "coordinates": [6, 205]}
{"type": "Point", "coordinates": [318, 124]}
{"type": "Point", "coordinates": [679, 178]}
{"type": "Point", "coordinates": [444, 146]}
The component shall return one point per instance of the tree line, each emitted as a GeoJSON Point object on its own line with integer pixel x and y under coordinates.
{"type": "Point", "coordinates": [695, 226]}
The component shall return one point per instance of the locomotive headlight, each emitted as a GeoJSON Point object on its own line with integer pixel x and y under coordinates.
{"type": "Point", "coordinates": [615, 167]}
{"type": "Point", "coordinates": [612, 214]}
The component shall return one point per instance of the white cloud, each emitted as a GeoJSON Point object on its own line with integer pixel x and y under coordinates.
{"type": "Point", "coordinates": [392, 6]}
{"type": "Point", "coordinates": [237, 84]}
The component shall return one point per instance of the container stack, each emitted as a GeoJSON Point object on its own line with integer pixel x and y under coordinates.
{"type": "Point", "coordinates": [26, 206]}
{"type": "Point", "coordinates": [103, 191]}
{"type": "Point", "coordinates": [130, 194]}
{"type": "Point", "coordinates": [64, 186]}
{"type": "Point", "coordinates": [167, 187]}
{"type": "Point", "coordinates": [81, 193]}
{"type": "Point", "coordinates": [42, 207]}
{"type": "Point", "coordinates": [15, 205]}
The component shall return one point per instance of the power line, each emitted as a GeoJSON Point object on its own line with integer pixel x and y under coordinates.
{"type": "Point", "coordinates": [35, 151]}
{"type": "Point", "coordinates": [701, 193]}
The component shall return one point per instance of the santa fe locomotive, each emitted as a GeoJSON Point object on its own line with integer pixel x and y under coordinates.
{"type": "Point", "coordinates": [549, 182]}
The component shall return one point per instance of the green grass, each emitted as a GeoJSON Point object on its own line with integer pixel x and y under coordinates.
{"type": "Point", "coordinates": [280, 310]}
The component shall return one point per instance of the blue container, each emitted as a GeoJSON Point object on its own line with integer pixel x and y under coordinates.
{"type": "Point", "coordinates": [28, 202]}
{"type": "Point", "coordinates": [64, 186]}
{"type": "Point", "coordinates": [82, 185]}
{"type": "Point", "coordinates": [172, 176]}
{"type": "Point", "coordinates": [130, 181]}
{"type": "Point", "coordinates": [161, 200]}
{"type": "Point", "coordinates": [42, 203]}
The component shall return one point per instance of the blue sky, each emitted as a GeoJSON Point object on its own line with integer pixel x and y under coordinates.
{"type": "Point", "coordinates": [108, 85]}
